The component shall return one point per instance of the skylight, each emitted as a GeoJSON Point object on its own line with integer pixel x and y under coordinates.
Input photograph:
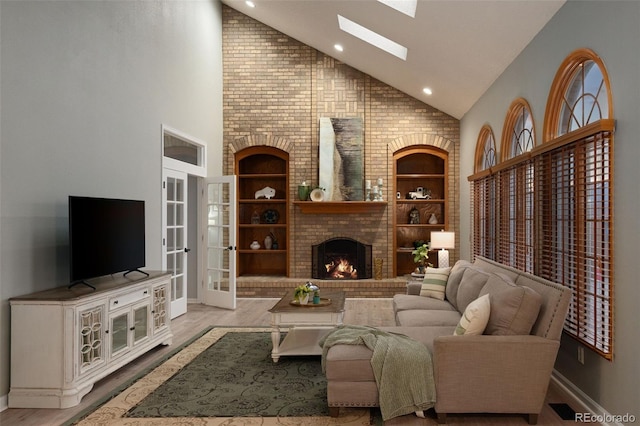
{"type": "Point", "coordinates": [372, 38]}
{"type": "Point", "coordinates": [408, 7]}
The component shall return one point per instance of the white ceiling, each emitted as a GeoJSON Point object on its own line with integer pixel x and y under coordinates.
{"type": "Point", "coordinates": [456, 47]}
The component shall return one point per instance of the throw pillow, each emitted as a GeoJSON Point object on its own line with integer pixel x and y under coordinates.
{"type": "Point", "coordinates": [473, 279]}
{"type": "Point", "coordinates": [475, 317]}
{"type": "Point", "coordinates": [455, 276]}
{"type": "Point", "coordinates": [514, 308]}
{"type": "Point", "coordinates": [435, 282]}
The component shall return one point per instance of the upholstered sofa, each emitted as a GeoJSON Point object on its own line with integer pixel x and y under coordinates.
{"type": "Point", "coordinates": [506, 369]}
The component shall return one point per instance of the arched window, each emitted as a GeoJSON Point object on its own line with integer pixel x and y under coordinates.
{"type": "Point", "coordinates": [483, 195]}
{"type": "Point", "coordinates": [575, 196]}
{"type": "Point", "coordinates": [579, 96]}
{"type": "Point", "coordinates": [518, 135]}
{"type": "Point", "coordinates": [515, 177]}
{"type": "Point", "coordinates": [486, 154]}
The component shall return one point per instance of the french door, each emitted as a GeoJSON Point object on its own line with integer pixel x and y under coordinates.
{"type": "Point", "coordinates": [219, 287]}
{"type": "Point", "coordinates": [174, 225]}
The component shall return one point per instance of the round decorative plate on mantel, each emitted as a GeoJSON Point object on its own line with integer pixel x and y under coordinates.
{"type": "Point", "coordinates": [317, 194]}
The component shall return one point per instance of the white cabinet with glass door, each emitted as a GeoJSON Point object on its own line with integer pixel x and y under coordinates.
{"type": "Point", "coordinates": [128, 328]}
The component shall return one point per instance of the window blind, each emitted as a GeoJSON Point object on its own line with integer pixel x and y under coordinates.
{"type": "Point", "coordinates": [575, 216]}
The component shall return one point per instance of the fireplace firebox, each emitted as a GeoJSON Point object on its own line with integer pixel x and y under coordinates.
{"type": "Point", "coordinates": [341, 258]}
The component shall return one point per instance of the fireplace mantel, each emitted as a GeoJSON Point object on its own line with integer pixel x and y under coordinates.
{"type": "Point", "coordinates": [339, 207]}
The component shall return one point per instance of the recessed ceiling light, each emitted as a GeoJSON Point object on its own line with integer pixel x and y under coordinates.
{"type": "Point", "coordinates": [373, 38]}
{"type": "Point", "coordinates": [250, 3]}
{"type": "Point", "coordinates": [408, 7]}
{"type": "Point", "coordinates": [338, 47]}
{"type": "Point", "coordinates": [427, 91]}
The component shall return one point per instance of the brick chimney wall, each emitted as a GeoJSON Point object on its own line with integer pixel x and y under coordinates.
{"type": "Point", "coordinates": [277, 87]}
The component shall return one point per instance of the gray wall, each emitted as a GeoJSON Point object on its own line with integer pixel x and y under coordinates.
{"type": "Point", "coordinates": [612, 30]}
{"type": "Point", "coordinates": [85, 87]}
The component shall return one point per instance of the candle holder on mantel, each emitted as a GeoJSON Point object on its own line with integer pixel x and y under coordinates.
{"type": "Point", "coordinates": [373, 193]}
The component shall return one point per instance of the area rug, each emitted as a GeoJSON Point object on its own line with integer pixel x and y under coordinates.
{"type": "Point", "coordinates": [227, 377]}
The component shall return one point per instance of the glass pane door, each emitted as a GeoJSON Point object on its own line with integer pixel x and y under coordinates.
{"type": "Point", "coordinates": [175, 233]}
{"type": "Point", "coordinates": [220, 276]}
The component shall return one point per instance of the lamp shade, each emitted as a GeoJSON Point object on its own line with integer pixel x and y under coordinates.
{"type": "Point", "coordinates": [443, 240]}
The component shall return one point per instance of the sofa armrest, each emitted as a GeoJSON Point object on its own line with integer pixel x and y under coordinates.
{"type": "Point", "coordinates": [499, 374]}
{"type": "Point", "coordinates": [414, 287]}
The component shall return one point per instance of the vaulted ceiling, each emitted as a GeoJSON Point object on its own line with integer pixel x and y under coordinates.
{"type": "Point", "coordinates": [456, 48]}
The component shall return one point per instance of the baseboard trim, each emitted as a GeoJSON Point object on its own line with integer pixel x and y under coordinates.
{"type": "Point", "coordinates": [580, 401]}
{"type": "Point", "coordinates": [4, 402]}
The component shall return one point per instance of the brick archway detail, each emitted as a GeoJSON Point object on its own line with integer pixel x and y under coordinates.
{"type": "Point", "coordinates": [420, 139]}
{"type": "Point", "coordinates": [260, 140]}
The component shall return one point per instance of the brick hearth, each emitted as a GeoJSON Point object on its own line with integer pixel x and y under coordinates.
{"type": "Point", "coordinates": [276, 287]}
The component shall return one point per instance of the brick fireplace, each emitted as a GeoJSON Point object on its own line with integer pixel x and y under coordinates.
{"type": "Point", "coordinates": [341, 258]}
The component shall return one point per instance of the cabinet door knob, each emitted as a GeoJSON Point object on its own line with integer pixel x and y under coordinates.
{"type": "Point", "coordinates": [132, 328]}
{"type": "Point", "coordinates": [187, 250]}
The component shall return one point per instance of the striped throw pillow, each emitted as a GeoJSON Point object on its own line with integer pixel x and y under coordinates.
{"type": "Point", "coordinates": [435, 282]}
{"type": "Point", "coordinates": [475, 318]}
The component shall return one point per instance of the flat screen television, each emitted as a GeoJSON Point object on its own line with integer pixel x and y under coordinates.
{"type": "Point", "coordinates": [106, 236]}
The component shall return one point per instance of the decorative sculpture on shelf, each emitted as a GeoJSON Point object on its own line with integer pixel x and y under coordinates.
{"type": "Point", "coordinates": [266, 192]}
{"type": "Point", "coordinates": [414, 216]}
{"type": "Point", "coordinates": [419, 193]}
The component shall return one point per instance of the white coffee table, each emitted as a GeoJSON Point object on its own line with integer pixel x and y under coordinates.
{"type": "Point", "coordinates": [306, 324]}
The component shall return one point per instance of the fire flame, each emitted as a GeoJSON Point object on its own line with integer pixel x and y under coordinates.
{"type": "Point", "coordinates": [341, 268]}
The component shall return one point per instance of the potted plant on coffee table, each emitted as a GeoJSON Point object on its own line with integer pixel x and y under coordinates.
{"type": "Point", "coordinates": [301, 294]}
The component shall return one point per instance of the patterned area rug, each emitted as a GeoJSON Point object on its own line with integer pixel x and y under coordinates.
{"type": "Point", "coordinates": [226, 377]}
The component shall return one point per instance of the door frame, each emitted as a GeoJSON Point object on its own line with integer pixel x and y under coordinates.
{"type": "Point", "coordinates": [199, 171]}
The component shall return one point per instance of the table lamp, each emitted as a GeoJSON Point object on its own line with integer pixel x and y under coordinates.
{"type": "Point", "coordinates": [443, 240]}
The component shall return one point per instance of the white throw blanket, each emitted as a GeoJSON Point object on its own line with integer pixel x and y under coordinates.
{"type": "Point", "coordinates": [402, 368]}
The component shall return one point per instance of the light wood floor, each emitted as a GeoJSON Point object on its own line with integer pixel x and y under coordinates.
{"type": "Point", "coordinates": [254, 312]}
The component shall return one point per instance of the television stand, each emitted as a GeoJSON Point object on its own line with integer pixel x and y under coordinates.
{"type": "Point", "coordinates": [63, 341]}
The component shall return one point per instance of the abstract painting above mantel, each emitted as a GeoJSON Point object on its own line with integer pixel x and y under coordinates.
{"type": "Point", "coordinates": [341, 161]}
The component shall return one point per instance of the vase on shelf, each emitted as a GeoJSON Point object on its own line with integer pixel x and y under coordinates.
{"type": "Point", "coordinates": [268, 242]}
{"type": "Point", "coordinates": [303, 191]}
{"type": "Point", "coordinates": [255, 245]}
{"type": "Point", "coordinates": [433, 220]}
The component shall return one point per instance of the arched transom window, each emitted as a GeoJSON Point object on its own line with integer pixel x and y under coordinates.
{"type": "Point", "coordinates": [518, 135]}
{"type": "Point", "coordinates": [486, 154]}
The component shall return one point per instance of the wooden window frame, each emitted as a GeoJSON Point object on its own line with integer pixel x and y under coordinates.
{"type": "Point", "coordinates": [577, 234]}
{"type": "Point", "coordinates": [570, 177]}
{"type": "Point", "coordinates": [515, 175]}
{"type": "Point", "coordinates": [483, 192]}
